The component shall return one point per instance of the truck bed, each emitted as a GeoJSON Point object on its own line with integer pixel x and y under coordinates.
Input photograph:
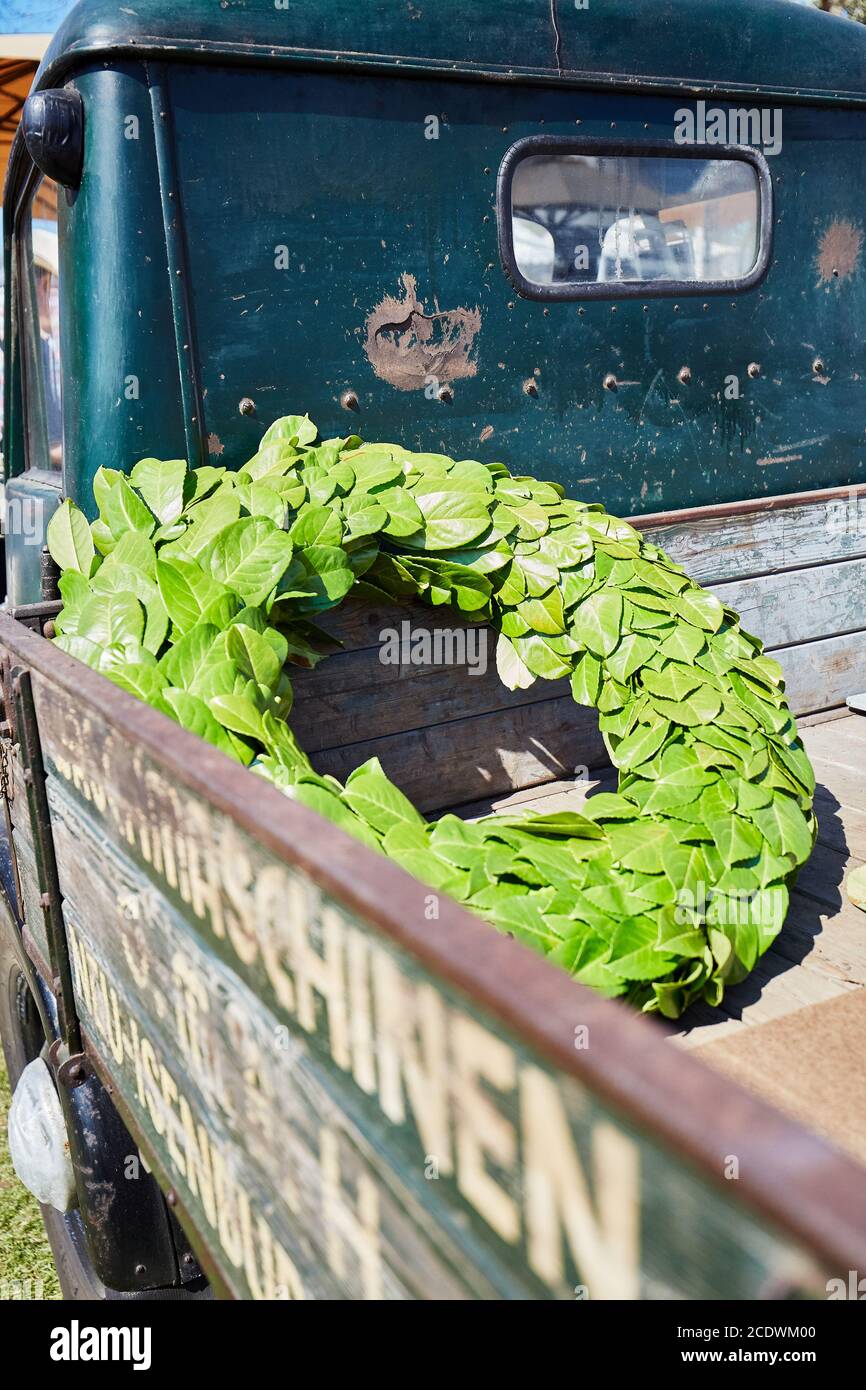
{"type": "Point", "coordinates": [793, 1031]}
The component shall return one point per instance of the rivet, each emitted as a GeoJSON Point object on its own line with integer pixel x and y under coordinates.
{"type": "Point", "coordinates": [818, 367]}
{"type": "Point", "coordinates": [530, 387]}
{"type": "Point", "coordinates": [141, 1270]}
{"type": "Point", "coordinates": [445, 395]}
{"type": "Point", "coordinates": [349, 401]}
{"type": "Point", "coordinates": [48, 629]}
{"type": "Point", "coordinates": [684, 375]}
{"type": "Point", "coordinates": [754, 369]}
{"type": "Point", "coordinates": [610, 382]}
{"type": "Point", "coordinates": [246, 406]}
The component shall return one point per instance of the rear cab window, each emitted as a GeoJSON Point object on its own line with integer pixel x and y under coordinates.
{"type": "Point", "coordinates": [599, 220]}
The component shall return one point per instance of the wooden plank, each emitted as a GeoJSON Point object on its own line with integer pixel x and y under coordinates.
{"type": "Point", "coordinates": [738, 542]}
{"type": "Point", "coordinates": [432, 1064]}
{"type": "Point", "coordinates": [355, 697]}
{"type": "Point", "coordinates": [443, 765]}
{"type": "Point", "coordinates": [820, 675]}
{"type": "Point", "coordinates": [823, 875]}
{"type": "Point", "coordinates": [800, 605]}
{"type": "Point", "coordinates": [831, 939]}
{"type": "Point", "coordinates": [841, 827]}
{"type": "Point", "coordinates": [845, 784]}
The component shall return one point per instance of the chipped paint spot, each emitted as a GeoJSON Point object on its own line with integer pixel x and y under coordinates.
{"type": "Point", "coordinates": [215, 445]}
{"type": "Point", "coordinates": [486, 433]}
{"type": "Point", "coordinates": [839, 251]}
{"type": "Point", "coordinates": [407, 347]}
{"type": "Point", "coordinates": [779, 458]}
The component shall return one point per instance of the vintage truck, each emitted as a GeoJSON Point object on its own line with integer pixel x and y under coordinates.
{"type": "Point", "coordinates": [620, 242]}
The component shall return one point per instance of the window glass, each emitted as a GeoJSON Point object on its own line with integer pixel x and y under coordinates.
{"type": "Point", "coordinates": [581, 219]}
{"type": "Point", "coordinates": [39, 275]}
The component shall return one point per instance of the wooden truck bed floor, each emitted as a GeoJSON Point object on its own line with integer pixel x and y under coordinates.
{"type": "Point", "coordinates": [794, 1031]}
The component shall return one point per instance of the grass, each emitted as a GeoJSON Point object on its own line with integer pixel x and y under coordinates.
{"type": "Point", "coordinates": [25, 1254]}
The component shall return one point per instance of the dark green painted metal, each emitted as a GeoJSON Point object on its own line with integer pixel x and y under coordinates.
{"type": "Point", "coordinates": [760, 45]}
{"type": "Point", "coordinates": [27, 728]}
{"type": "Point", "coordinates": [171, 201]}
{"type": "Point", "coordinates": [333, 164]}
{"type": "Point", "coordinates": [122, 398]}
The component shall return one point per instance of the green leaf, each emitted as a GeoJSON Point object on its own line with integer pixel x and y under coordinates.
{"type": "Point", "coordinates": [112, 620]}
{"type": "Point", "coordinates": [701, 609]}
{"type": "Point", "coordinates": [316, 526]}
{"type": "Point", "coordinates": [597, 622]}
{"type": "Point", "coordinates": [377, 801]}
{"type": "Point", "coordinates": [254, 655]}
{"type": "Point", "coordinates": [239, 714]}
{"type": "Point", "coordinates": [291, 429]}
{"type": "Point", "coordinates": [511, 670]}
{"type": "Point", "coordinates": [187, 591]}
{"type": "Point", "coordinates": [641, 744]}
{"type": "Point", "coordinates": [161, 484]}
{"type": "Point", "coordinates": [784, 826]}
{"type": "Point", "coordinates": [193, 714]}
{"type": "Point", "coordinates": [145, 682]}
{"type": "Point", "coordinates": [250, 557]}
{"type": "Point", "coordinates": [120, 507]}
{"type": "Point", "coordinates": [69, 540]}
{"type": "Point", "coordinates": [187, 659]}
{"type": "Point", "coordinates": [452, 518]}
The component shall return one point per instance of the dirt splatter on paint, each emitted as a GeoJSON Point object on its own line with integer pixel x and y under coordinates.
{"type": "Point", "coordinates": [408, 347]}
{"type": "Point", "coordinates": [839, 251]}
{"type": "Point", "coordinates": [215, 446]}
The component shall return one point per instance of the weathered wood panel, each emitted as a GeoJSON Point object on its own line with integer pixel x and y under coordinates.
{"type": "Point", "coordinates": [820, 675]}
{"type": "Point", "coordinates": [443, 764]}
{"type": "Point", "coordinates": [418, 717]}
{"type": "Point", "coordinates": [359, 1090]}
{"type": "Point", "coordinates": [800, 605]}
{"type": "Point", "coordinates": [740, 540]}
{"type": "Point", "coordinates": [355, 697]}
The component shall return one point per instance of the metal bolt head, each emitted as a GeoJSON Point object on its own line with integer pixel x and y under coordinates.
{"type": "Point", "coordinates": [445, 395]}
{"type": "Point", "coordinates": [818, 367]}
{"type": "Point", "coordinates": [48, 629]}
{"type": "Point", "coordinates": [684, 375]}
{"type": "Point", "coordinates": [754, 369]}
{"type": "Point", "coordinates": [530, 386]}
{"type": "Point", "coordinates": [246, 406]}
{"type": "Point", "coordinates": [610, 382]}
{"type": "Point", "coordinates": [349, 401]}
{"type": "Point", "coordinates": [141, 1270]}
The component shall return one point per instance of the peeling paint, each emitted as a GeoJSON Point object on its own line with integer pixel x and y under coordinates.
{"type": "Point", "coordinates": [215, 445]}
{"type": "Point", "coordinates": [486, 433]}
{"type": "Point", "coordinates": [408, 348]}
{"type": "Point", "coordinates": [839, 251]}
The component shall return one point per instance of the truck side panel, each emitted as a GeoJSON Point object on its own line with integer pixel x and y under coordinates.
{"type": "Point", "coordinates": [355, 1089]}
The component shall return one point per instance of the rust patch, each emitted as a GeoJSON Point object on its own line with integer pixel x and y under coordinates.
{"type": "Point", "coordinates": [839, 251]}
{"type": "Point", "coordinates": [215, 445]}
{"type": "Point", "coordinates": [408, 348]}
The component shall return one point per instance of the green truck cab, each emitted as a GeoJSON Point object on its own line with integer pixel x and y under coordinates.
{"type": "Point", "coordinates": [619, 246]}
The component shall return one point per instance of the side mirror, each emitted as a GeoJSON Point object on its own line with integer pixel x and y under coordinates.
{"type": "Point", "coordinates": [53, 127]}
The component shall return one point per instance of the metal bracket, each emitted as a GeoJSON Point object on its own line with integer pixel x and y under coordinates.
{"type": "Point", "coordinates": [51, 901]}
{"type": "Point", "coordinates": [37, 616]}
